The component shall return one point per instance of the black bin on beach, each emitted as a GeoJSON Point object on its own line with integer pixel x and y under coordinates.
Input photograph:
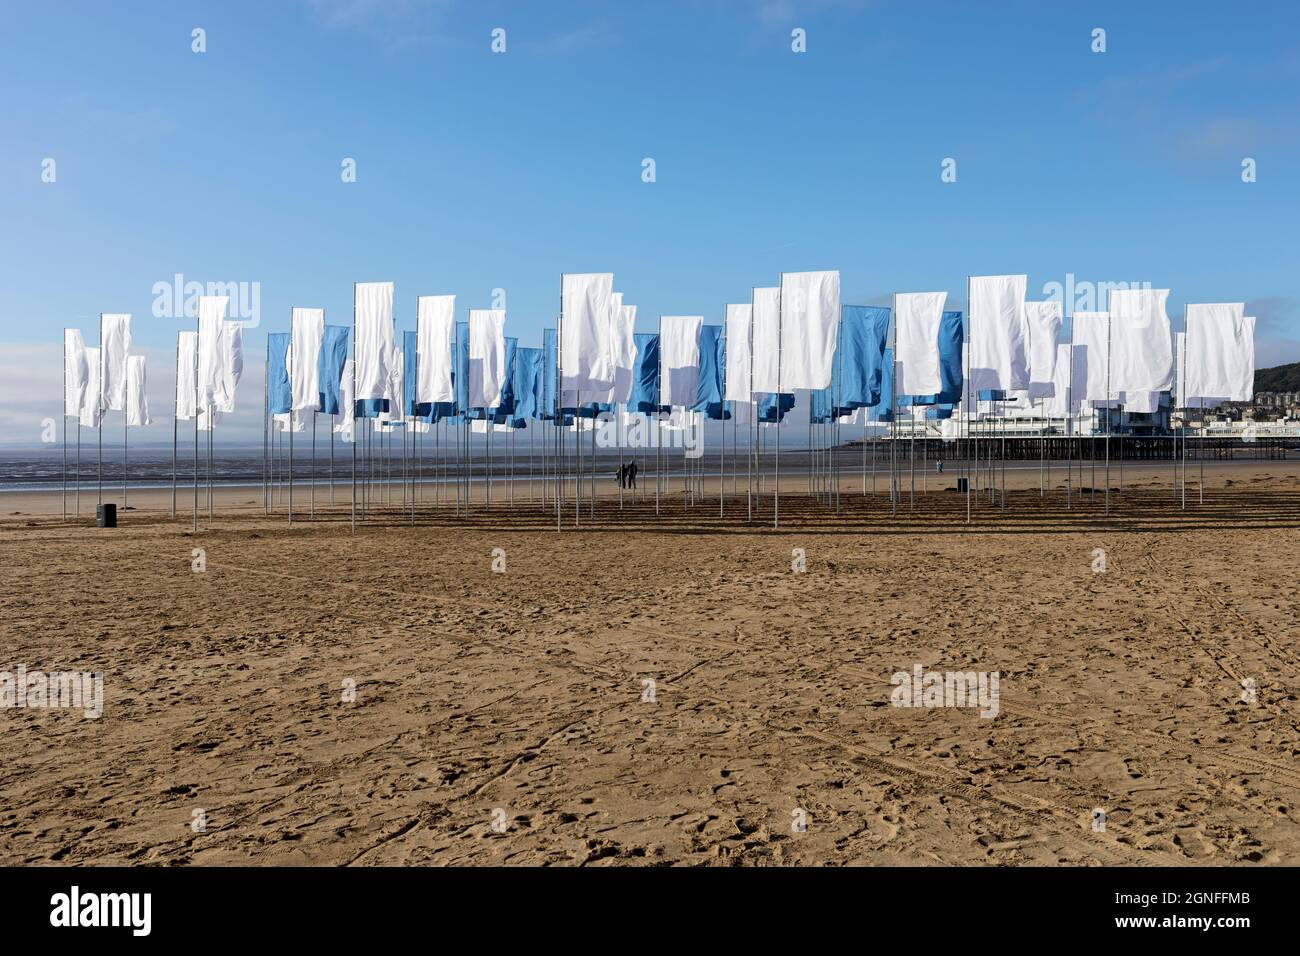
{"type": "Point", "coordinates": [106, 516]}
{"type": "Point", "coordinates": [961, 486]}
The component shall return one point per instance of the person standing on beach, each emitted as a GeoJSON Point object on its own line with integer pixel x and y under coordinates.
{"type": "Point", "coordinates": [631, 474]}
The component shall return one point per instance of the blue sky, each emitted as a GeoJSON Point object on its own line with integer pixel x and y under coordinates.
{"type": "Point", "coordinates": [478, 171]}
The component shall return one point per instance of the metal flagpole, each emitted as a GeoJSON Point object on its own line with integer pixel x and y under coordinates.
{"type": "Point", "coordinates": [893, 409]}
{"type": "Point", "coordinates": [752, 437]}
{"type": "Point", "coordinates": [1002, 418]}
{"type": "Point", "coordinates": [559, 404]}
{"type": "Point", "coordinates": [266, 406]}
{"type": "Point", "coordinates": [212, 428]}
{"type": "Point", "coordinates": [970, 403]}
{"type": "Point", "coordinates": [659, 394]}
{"type": "Point", "coordinates": [311, 475]}
{"type": "Point", "coordinates": [1182, 425]}
{"type": "Point", "coordinates": [63, 416]}
{"type": "Point", "coordinates": [289, 363]}
{"type": "Point", "coordinates": [194, 526]}
{"type": "Point", "coordinates": [1042, 447]}
{"type": "Point", "coordinates": [1069, 420]}
{"type": "Point", "coordinates": [101, 414]}
{"type": "Point", "coordinates": [776, 485]}
{"type": "Point", "coordinates": [353, 410]}
{"type": "Point", "coordinates": [76, 495]}
{"type": "Point", "coordinates": [1108, 413]}
{"type": "Point", "coordinates": [125, 426]}
{"type": "Point", "coordinates": [911, 453]}
{"type": "Point", "coordinates": [722, 459]}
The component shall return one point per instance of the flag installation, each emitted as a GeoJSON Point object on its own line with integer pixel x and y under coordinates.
{"type": "Point", "coordinates": [1004, 363]}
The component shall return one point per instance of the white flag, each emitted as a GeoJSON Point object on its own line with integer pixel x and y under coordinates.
{"type": "Point", "coordinates": [999, 340]}
{"type": "Point", "coordinates": [187, 352]}
{"type": "Point", "coordinates": [374, 345]}
{"type": "Point", "coordinates": [1092, 344]}
{"type": "Point", "coordinates": [346, 405]}
{"type": "Point", "coordinates": [232, 365]}
{"type": "Point", "coordinates": [766, 317]}
{"type": "Point", "coordinates": [738, 352]}
{"type": "Point", "coordinates": [1216, 361]}
{"type": "Point", "coordinates": [1043, 322]}
{"type": "Point", "coordinates": [917, 317]}
{"type": "Point", "coordinates": [1061, 401]}
{"type": "Point", "coordinates": [585, 347]}
{"type": "Point", "coordinates": [396, 393]}
{"type": "Point", "coordinates": [810, 316]}
{"type": "Point", "coordinates": [137, 401]}
{"type": "Point", "coordinates": [115, 345]}
{"type": "Point", "coordinates": [75, 372]}
{"type": "Point", "coordinates": [92, 408]}
{"type": "Point", "coordinates": [624, 354]}
{"type": "Point", "coordinates": [435, 326]}
{"type": "Point", "coordinates": [1141, 341]}
{"type": "Point", "coordinates": [212, 313]}
{"type": "Point", "coordinates": [487, 357]}
{"type": "Point", "coordinates": [308, 327]}
{"type": "Point", "coordinates": [679, 359]}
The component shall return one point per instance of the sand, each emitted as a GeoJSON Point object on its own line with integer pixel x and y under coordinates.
{"type": "Point", "coordinates": [504, 718]}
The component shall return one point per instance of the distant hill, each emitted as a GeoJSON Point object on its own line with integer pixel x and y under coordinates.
{"type": "Point", "coordinates": [1280, 378]}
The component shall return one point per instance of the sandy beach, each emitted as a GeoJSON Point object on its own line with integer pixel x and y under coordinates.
{"type": "Point", "coordinates": [664, 690]}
